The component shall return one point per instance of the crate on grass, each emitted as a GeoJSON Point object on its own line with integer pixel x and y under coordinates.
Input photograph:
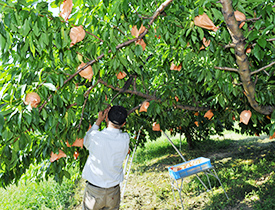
{"type": "Point", "coordinates": [190, 167]}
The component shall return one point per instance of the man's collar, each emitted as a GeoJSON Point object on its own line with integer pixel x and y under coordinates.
{"type": "Point", "coordinates": [116, 130]}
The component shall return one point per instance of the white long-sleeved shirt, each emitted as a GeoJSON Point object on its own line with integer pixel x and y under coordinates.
{"type": "Point", "coordinates": [107, 151]}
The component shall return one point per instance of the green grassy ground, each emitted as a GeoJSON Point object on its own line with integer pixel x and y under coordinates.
{"type": "Point", "coordinates": [245, 166]}
{"type": "Point", "coordinates": [45, 195]}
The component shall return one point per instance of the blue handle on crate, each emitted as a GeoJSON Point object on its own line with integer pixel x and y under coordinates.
{"type": "Point", "coordinates": [203, 165]}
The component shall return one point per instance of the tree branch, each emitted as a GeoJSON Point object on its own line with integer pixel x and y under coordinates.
{"type": "Point", "coordinates": [263, 68]}
{"type": "Point", "coordinates": [45, 102]}
{"type": "Point", "coordinates": [133, 109]}
{"type": "Point", "coordinates": [192, 108]}
{"type": "Point", "coordinates": [144, 85]}
{"type": "Point", "coordinates": [251, 20]}
{"type": "Point", "coordinates": [151, 98]}
{"type": "Point", "coordinates": [82, 114]}
{"type": "Point", "coordinates": [86, 94]}
{"type": "Point", "coordinates": [241, 58]}
{"type": "Point", "coordinates": [118, 29]}
{"type": "Point", "coordinates": [140, 16]}
{"type": "Point", "coordinates": [135, 84]}
{"type": "Point", "coordinates": [87, 32]}
{"type": "Point", "coordinates": [159, 10]}
{"type": "Point", "coordinates": [94, 36]}
{"type": "Point", "coordinates": [71, 105]}
{"type": "Point", "coordinates": [83, 55]}
{"type": "Point", "coordinates": [156, 14]}
{"type": "Point", "coordinates": [230, 45]}
{"type": "Point", "coordinates": [5, 5]}
{"type": "Point", "coordinates": [88, 64]}
{"type": "Point", "coordinates": [143, 95]}
{"type": "Point", "coordinates": [143, 17]}
{"type": "Point", "coordinates": [226, 69]}
{"type": "Point", "coordinates": [40, 85]}
{"type": "Point", "coordinates": [114, 26]}
{"type": "Point", "coordinates": [256, 80]}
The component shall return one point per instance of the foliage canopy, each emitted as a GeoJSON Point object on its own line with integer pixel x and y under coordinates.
{"type": "Point", "coordinates": [37, 56]}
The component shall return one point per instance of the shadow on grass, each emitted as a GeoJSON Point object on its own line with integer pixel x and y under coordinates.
{"type": "Point", "coordinates": [245, 168]}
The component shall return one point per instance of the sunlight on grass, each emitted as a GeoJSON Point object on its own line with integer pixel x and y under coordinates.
{"type": "Point", "coordinates": [243, 163]}
{"type": "Point", "coordinates": [155, 149]}
{"type": "Point", "coordinates": [46, 195]}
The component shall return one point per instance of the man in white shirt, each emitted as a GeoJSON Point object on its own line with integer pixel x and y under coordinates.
{"type": "Point", "coordinates": [104, 167]}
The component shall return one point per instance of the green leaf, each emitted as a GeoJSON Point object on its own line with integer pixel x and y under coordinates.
{"type": "Point", "coordinates": [262, 42]}
{"type": "Point", "coordinates": [96, 69]}
{"type": "Point", "coordinates": [24, 49]}
{"type": "Point", "coordinates": [7, 20]}
{"type": "Point", "coordinates": [7, 135]}
{"type": "Point", "coordinates": [252, 36]}
{"type": "Point", "coordinates": [42, 6]}
{"type": "Point", "coordinates": [66, 39]}
{"type": "Point", "coordinates": [113, 47]}
{"type": "Point", "coordinates": [36, 29]}
{"type": "Point", "coordinates": [44, 114]}
{"type": "Point", "coordinates": [217, 14]}
{"type": "Point", "coordinates": [138, 50]}
{"type": "Point", "coordinates": [201, 10]}
{"type": "Point", "coordinates": [58, 40]}
{"type": "Point", "coordinates": [194, 38]}
{"type": "Point", "coordinates": [258, 52]}
{"type": "Point", "coordinates": [273, 116]}
{"type": "Point", "coordinates": [2, 122]}
{"type": "Point", "coordinates": [26, 28]}
{"type": "Point", "coordinates": [16, 145]}
{"type": "Point", "coordinates": [258, 24]}
{"type": "Point", "coordinates": [22, 141]}
{"type": "Point", "coordinates": [19, 119]}
{"type": "Point", "coordinates": [270, 27]}
{"type": "Point", "coordinates": [67, 174]}
{"type": "Point", "coordinates": [272, 130]}
{"type": "Point", "coordinates": [45, 38]}
{"type": "Point", "coordinates": [41, 43]}
{"type": "Point", "coordinates": [80, 100]}
{"type": "Point", "coordinates": [92, 50]}
{"type": "Point", "coordinates": [32, 47]}
{"type": "Point", "coordinates": [106, 3]}
{"type": "Point", "coordinates": [2, 42]}
{"type": "Point", "coordinates": [221, 100]}
{"type": "Point", "coordinates": [3, 90]}
{"type": "Point", "coordinates": [50, 86]}
{"type": "Point", "coordinates": [201, 32]}
{"type": "Point", "coordinates": [123, 61]}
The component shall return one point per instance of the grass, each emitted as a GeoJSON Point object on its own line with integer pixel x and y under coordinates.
{"type": "Point", "coordinates": [45, 195]}
{"type": "Point", "coordinates": [244, 164]}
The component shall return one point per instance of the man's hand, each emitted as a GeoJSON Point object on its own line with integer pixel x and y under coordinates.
{"type": "Point", "coordinates": [101, 116]}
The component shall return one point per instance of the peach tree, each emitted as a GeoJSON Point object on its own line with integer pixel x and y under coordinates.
{"type": "Point", "coordinates": [64, 61]}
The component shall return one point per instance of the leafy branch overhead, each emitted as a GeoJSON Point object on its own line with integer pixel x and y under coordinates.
{"type": "Point", "coordinates": [169, 63]}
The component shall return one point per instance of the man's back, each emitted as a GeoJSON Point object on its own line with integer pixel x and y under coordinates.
{"type": "Point", "coordinates": [107, 151]}
{"type": "Point", "coordinates": [104, 167]}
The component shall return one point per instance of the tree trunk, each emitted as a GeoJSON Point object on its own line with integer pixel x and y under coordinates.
{"type": "Point", "coordinates": [241, 58]}
{"type": "Point", "coordinates": [189, 140]}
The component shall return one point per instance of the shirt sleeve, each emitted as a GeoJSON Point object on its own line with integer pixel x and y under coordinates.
{"type": "Point", "coordinates": [87, 140]}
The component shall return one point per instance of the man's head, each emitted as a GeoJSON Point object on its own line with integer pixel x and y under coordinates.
{"type": "Point", "coordinates": [117, 115]}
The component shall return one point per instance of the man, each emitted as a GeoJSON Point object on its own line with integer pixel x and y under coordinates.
{"type": "Point", "coordinates": [104, 167]}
